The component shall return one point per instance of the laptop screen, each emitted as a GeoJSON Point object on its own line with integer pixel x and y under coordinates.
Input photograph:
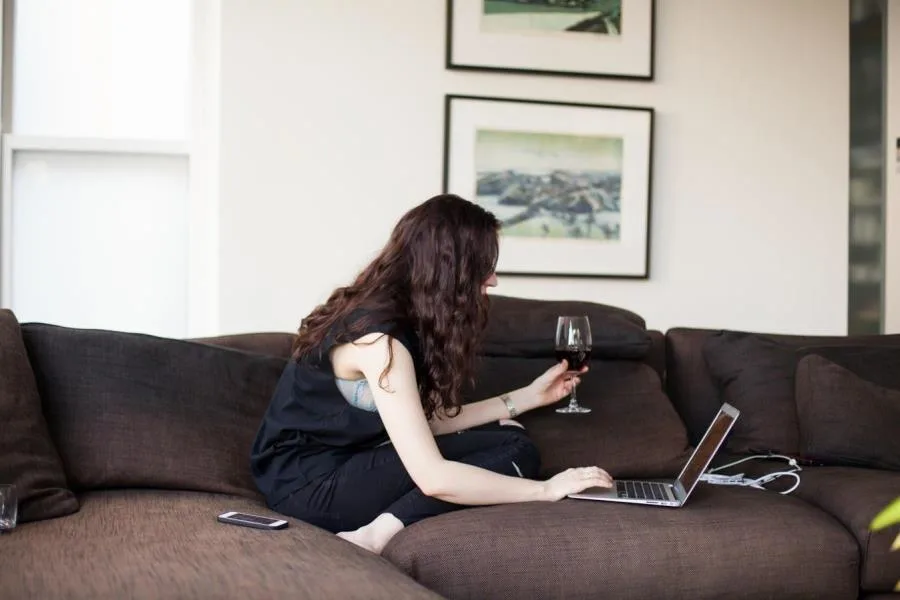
{"type": "Point", "coordinates": [707, 447]}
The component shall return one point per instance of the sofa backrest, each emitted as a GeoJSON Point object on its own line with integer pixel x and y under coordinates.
{"type": "Point", "coordinates": [133, 410]}
{"type": "Point", "coordinates": [269, 343]}
{"type": "Point", "coordinates": [526, 328]}
{"type": "Point", "coordinates": [656, 356]}
{"type": "Point", "coordinates": [532, 337]}
{"type": "Point", "coordinates": [689, 385]}
{"type": "Point", "coordinates": [753, 371]}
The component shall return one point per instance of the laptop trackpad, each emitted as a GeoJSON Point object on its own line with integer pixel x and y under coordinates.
{"type": "Point", "coordinates": [596, 492]}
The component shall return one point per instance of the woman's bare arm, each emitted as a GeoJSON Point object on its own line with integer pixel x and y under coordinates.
{"type": "Point", "coordinates": [549, 387]}
{"type": "Point", "coordinates": [484, 411]}
{"type": "Point", "coordinates": [400, 407]}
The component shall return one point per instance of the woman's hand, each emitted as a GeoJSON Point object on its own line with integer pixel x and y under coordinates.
{"type": "Point", "coordinates": [554, 384]}
{"type": "Point", "coordinates": [572, 481]}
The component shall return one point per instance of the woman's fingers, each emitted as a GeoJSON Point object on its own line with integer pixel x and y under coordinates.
{"type": "Point", "coordinates": [597, 474]}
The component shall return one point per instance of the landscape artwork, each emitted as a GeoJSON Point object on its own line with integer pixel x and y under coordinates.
{"type": "Point", "coordinates": [552, 16]}
{"type": "Point", "coordinates": [549, 185]}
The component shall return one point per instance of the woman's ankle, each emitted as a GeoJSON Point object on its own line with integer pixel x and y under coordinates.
{"type": "Point", "coordinates": [375, 535]}
{"type": "Point", "coordinates": [386, 526]}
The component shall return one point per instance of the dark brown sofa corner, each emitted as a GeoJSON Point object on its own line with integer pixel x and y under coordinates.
{"type": "Point", "coordinates": [771, 370]}
{"type": "Point", "coordinates": [152, 436]}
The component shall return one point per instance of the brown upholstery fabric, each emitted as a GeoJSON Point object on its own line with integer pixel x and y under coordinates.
{"type": "Point", "coordinates": [844, 419]}
{"type": "Point", "coordinates": [726, 542]}
{"type": "Point", "coordinates": [519, 327]}
{"type": "Point", "coordinates": [854, 496]}
{"type": "Point", "coordinates": [150, 545]}
{"type": "Point", "coordinates": [131, 410]}
{"type": "Point", "coordinates": [756, 375]}
{"type": "Point", "coordinates": [695, 394]}
{"type": "Point", "coordinates": [633, 430]}
{"type": "Point", "coordinates": [879, 365]}
{"type": "Point", "coordinates": [28, 456]}
{"type": "Point", "coordinates": [268, 343]}
{"type": "Point", "coordinates": [656, 357]}
{"type": "Point", "coordinates": [688, 382]}
{"type": "Point", "coordinates": [279, 344]}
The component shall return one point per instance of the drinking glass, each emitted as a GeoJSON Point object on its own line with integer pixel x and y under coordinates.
{"type": "Point", "coordinates": [8, 507]}
{"type": "Point", "coordinates": [573, 343]}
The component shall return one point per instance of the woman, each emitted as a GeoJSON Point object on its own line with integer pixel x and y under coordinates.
{"type": "Point", "coordinates": [366, 432]}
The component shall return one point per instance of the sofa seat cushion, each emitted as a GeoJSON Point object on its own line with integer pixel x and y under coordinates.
{"type": "Point", "coordinates": [727, 542]}
{"type": "Point", "coordinates": [161, 544]}
{"type": "Point", "coordinates": [854, 496]}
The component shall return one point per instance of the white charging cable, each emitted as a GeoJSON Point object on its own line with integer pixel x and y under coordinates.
{"type": "Point", "coordinates": [759, 482]}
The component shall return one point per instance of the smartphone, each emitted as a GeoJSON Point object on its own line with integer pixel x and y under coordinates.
{"type": "Point", "coordinates": [248, 520]}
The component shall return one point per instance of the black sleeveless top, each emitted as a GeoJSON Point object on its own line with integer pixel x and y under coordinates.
{"type": "Point", "coordinates": [310, 428]}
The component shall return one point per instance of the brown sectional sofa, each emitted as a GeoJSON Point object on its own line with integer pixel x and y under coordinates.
{"type": "Point", "coordinates": [126, 447]}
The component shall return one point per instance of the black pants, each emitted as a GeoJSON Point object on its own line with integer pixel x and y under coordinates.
{"type": "Point", "coordinates": [375, 481]}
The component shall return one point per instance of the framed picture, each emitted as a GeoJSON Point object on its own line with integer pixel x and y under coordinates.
{"type": "Point", "coordinates": [587, 38]}
{"type": "Point", "coordinates": [569, 182]}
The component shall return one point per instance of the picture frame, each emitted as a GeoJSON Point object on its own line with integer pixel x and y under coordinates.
{"type": "Point", "coordinates": [570, 182]}
{"type": "Point", "coordinates": [612, 39]}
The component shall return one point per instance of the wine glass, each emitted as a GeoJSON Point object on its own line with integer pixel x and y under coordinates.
{"type": "Point", "coordinates": [573, 343]}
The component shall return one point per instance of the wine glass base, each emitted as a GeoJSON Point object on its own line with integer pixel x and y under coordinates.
{"type": "Point", "coordinates": [572, 410]}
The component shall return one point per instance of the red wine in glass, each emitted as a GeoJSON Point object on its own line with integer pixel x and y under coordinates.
{"type": "Point", "coordinates": [573, 343]}
{"type": "Point", "coordinates": [578, 358]}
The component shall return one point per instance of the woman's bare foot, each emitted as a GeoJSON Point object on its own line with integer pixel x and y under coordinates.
{"type": "Point", "coordinates": [374, 536]}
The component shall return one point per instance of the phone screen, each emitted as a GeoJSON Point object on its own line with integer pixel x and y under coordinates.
{"type": "Point", "coordinates": [253, 519]}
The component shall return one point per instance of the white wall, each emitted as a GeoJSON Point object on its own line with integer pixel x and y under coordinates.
{"type": "Point", "coordinates": [892, 176]}
{"type": "Point", "coordinates": [96, 161]}
{"type": "Point", "coordinates": [331, 127]}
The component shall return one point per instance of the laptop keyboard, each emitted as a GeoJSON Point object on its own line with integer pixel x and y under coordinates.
{"type": "Point", "coordinates": [642, 490]}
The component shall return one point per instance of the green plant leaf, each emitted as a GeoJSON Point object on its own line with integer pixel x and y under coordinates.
{"type": "Point", "coordinates": [896, 544]}
{"type": "Point", "coordinates": [890, 515]}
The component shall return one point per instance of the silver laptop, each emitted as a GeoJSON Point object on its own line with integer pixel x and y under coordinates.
{"type": "Point", "coordinates": [670, 493]}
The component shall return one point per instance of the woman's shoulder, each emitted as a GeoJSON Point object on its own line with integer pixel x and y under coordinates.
{"type": "Point", "coordinates": [364, 322]}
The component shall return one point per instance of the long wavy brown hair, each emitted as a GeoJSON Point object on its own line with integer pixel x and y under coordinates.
{"type": "Point", "coordinates": [429, 275]}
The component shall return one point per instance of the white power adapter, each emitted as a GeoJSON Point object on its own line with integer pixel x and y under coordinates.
{"type": "Point", "coordinates": [740, 480]}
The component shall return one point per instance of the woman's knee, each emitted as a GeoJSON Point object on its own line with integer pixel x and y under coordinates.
{"type": "Point", "coordinates": [513, 434]}
{"type": "Point", "coordinates": [526, 456]}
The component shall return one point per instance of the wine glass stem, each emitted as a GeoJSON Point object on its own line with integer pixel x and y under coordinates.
{"type": "Point", "coordinates": [573, 399]}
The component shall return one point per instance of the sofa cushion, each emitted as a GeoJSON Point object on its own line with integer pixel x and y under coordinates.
{"type": "Point", "coordinates": [521, 327]}
{"type": "Point", "coordinates": [854, 496]}
{"type": "Point", "coordinates": [726, 542]}
{"type": "Point", "coordinates": [688, 382]}
{"type": "Point", "coordinates": [133, 410]}
{"type": "Point", "coordinates": [28, 456]}
{"type": "Point", "coordinates": [877, 364]}
{"type": "Point", "coordinates": [146, 544]}
{"type": "Point", "coordinates": [632, 429]}
{"type": "Point", "coordinates": [844, 419]}
{"type": "Point", "coordinates": [755, 373]}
